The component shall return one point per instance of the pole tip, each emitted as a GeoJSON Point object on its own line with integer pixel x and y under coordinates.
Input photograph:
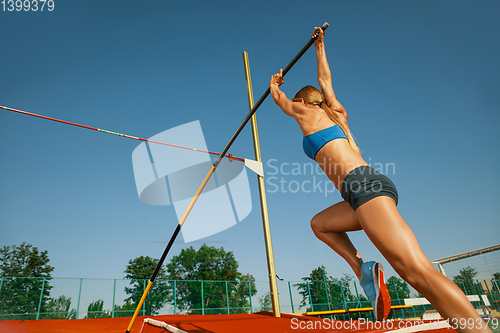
{"type": "Point", "coordinates": [325, 26]}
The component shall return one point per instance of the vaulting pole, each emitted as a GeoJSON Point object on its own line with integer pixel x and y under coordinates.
{"type": "Point", "coordinates": [263, 200]}
{"type": "Point", "coordinates": [210, 173]}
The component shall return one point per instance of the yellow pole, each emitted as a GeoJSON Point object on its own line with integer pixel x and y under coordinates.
{"type": "Point", "coordinates": [139, 306]}
{"type": "Point", "coordinates": [263, 200]}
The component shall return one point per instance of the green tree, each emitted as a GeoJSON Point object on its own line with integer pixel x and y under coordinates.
{"type": "Point", "coordinates": [465, 280]}
{"type": "Point", "coordinates": [467, 273]}
{"type": "Point", "coordinates": [139, 271]}
{"type": "Point", "coordinates": [320, 289]}
{"type": "Point", "coordinates": [23, 268]}
{"type": "Point", "coordinates": [397, 288]}
{"type": "Point", "coordinates": [219, 271]}
{"type": "Point", "coordinates": [496, 276]}
{"type": "Point", "coordinates": [59, 308]}
{"type": "Point", "coordinates": [265, 302]}
{"type": "Point", "coordinates": [96, 310]}
{"type": "Point", "coordinates": [125, 310]}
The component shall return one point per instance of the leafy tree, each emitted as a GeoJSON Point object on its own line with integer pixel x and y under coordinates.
{"type": "Point", "coordinates": [465, 280]}
{"type": "Point", "coordinates": [125, 310]}
{"type": "Point", "coordinates": [319, 289]}
{"type": "Point", "coordinates": [467, 273]}
{"type": "Point", "coordinates": [59, 308]}
{"type": "Point", "coordinates": [22, 295]}
{"type": "Point", "coordinates": [139, 271]}
{"type": "Point", "coordinates": [496, 276]}
{"type": "Point", "coordinates": [216, 268]}
{"type": "Point", "coordinates": [265, 302]}
{"type": "Point", "coordinates": [397, 288]}
{"type": "Point", "coordinates": [95, 310]}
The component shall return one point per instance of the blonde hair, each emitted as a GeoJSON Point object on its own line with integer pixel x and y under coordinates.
{"type": "Point", "coordinates": [312, 95]}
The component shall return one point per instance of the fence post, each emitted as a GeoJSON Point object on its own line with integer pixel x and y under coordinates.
{"type": "Point", "coordinates": [1, 285]}
{"type": "Point", "coordinates": [175, 296]}
{"type": "Point", "coordinates": [40, 301]}
{"type": "Point", "coordinates": [114, 293]}
{"type": "Point", "coordinates": [357, 294]}
{"type": "Point", "coordinates": [496, 284]}
{"type": "Point", "coordinates": [326, 292]}
{"type": "Point", "coordinates": [227, 299]}
{"type": "Point", "coordinates": [250, 296]}
{"type": "Point", "coordinates": [202, 302]}
{"type": "Point", "coordinates": [397, 296]}
{"type": "Point", "coordinates": [471, 285]}
{"type": "Point", "coordinates": [408, 291]}
{"type": "Point", "coordinates": [310, 298]}
{"type": "Point", "coordinates": [396, 291]}
{"type": "Point", "coordinates": [79, 297]}
{"type": "Point", "coordinates": [291, 298]}
{"type": "Point", "coordinates": [464, 287]}
{"type": "Point", "coordinates": [343, 299]}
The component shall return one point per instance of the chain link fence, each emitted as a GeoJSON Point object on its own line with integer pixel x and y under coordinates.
{"type": "Point", "coordinates": [78, 298]}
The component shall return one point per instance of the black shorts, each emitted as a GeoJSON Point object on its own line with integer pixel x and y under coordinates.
{"type": "Point", "coordinates": [365, 183]}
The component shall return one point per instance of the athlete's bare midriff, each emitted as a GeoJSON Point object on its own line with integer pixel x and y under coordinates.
{"type": "Point", "coordinates": [337, 159]}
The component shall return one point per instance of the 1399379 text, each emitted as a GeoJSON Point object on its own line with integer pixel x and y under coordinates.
{"type": "Point", "coordinates": [27, 5]}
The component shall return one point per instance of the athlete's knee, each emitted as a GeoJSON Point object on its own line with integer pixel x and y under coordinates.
{"type": "Point", "coordinates": [417, 273]}
{"type": "Point", "coordinates": [316, 224]}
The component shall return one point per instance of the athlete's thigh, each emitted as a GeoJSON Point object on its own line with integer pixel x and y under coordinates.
{"type": "Point", "coordinates": [388, 231]}
{"type": "Point", "coordinates": [337, 218]}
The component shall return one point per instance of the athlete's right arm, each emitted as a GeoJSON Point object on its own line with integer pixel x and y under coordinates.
{"type": "Point", "coordinates": [325, 75]}
{"type": "Point", "coordinates": [278, 96]}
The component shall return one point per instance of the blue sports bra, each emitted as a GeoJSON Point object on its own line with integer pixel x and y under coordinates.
{"type": "Point", "coordinates": [315, 141]}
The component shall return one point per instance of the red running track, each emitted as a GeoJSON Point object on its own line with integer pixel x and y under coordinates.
{"type": "Point", "coordinates": [237, 323]}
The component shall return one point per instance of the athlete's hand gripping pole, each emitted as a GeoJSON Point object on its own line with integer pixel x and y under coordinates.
{"type": "Point", "coordinates": [210, 173]}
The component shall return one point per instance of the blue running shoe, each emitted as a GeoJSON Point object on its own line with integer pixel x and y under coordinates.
{"type": "Point", "coordinates": [373, 283]}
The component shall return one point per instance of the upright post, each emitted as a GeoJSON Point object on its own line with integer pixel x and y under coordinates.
{"type": "Point", "coordinates": [250, 296]}
{"type": "Point", "coordinates": [40, 301]}
{"type": "Point", "coordinates": [326, 293]}
{"type": "Point", "coordinates": [357, 294]}
{"type": "Point", "coordinates": [1, 285]}
{"type": "Point", "coordinates": [202, 301]}
{"type": "Point", "coordinates": [175, 296]}
{"type": "Point", "coordinates": [227, 299]}
{"type": "Point", "coordinates": [397, 295]}
{"type": "Point", "coordinates": [408, 291]}
{"type": "Point", "coordinates": [79, 298]}
{"type": "Point", "coordinates": [343, 296]}
{"type": "Point", "coordinates": [310, 298]}
{"type": "Point", "coordinates": [441, 269]}
{"type": "Point", "coordinates": [291, 298]}
{"type": "Point", "coordinates": [114, 294]}
{"type": "Point", "coordinates": [263, 200]}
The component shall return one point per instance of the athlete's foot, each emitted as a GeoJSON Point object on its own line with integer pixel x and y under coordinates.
{"type": "Point", "coordinates": [373, 283]}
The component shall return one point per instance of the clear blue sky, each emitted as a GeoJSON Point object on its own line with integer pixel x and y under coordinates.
{"type": "Point", "coordinates": [419, 79]}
